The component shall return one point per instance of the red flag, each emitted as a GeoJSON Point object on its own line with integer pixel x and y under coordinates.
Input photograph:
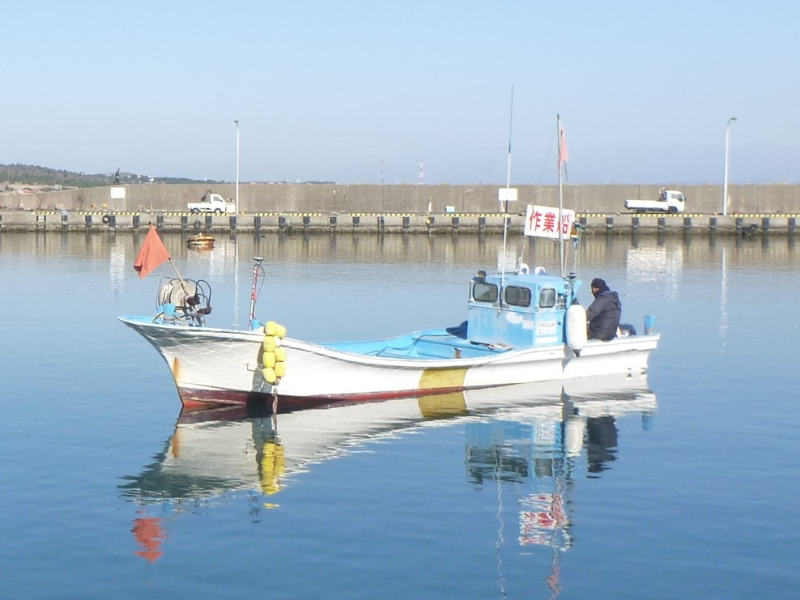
{"type": "Point", "coordinates": [563, 155]}
{"type": "Point", "coordinates": [152, 254]}
{"type": "Point", "coordinates": [149, 534]}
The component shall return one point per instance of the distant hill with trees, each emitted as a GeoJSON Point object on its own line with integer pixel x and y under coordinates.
{"type": "Point", "coordinates": [33, 175]}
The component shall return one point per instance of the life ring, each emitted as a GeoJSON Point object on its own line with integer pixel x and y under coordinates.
{"type": "Point", "coordinates": [106, 219]}
{"type": "Point", "coordinates": [197, 225]}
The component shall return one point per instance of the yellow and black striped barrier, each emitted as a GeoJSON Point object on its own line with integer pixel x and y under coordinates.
{"type": "Point", "coordinates": [366, 221]}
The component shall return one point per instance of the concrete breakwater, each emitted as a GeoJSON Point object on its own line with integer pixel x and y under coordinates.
{"type": "Point", "coordinates": [395, 208]}
{"type": "Point", "coordinates": [402, 199]}
{"type": "Point", "coordinates": [430, 223]}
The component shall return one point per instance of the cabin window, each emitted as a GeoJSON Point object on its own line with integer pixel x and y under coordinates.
{"type": "Point", "coordinates": [518, 296]}
{"type": "Point", "coordinates": [547, 298]}
{"type": "Point", "coordinates": [484, 292]}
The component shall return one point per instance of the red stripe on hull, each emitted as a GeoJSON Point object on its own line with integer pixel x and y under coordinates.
{"type": "Point", "coordinates": [203, 399]}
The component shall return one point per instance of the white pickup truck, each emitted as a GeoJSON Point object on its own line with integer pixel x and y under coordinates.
{"type": "Point", "coordinates": [211, 203]}
{"type": "Point", "coordinates": [669, 201]}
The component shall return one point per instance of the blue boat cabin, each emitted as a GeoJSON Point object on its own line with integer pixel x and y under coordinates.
{"type": "Point", "coordinates": [529, 311]}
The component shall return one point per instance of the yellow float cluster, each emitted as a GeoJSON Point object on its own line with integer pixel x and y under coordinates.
{"type": "Point", "coordinates": [274, 354]}
{"type": "Point", "coordinates": [273, 464]}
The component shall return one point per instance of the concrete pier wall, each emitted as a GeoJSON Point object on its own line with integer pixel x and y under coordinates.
{"type": "Point", "coordinates": [746, 225]}
{"type": "Point", "coordinates": [412, 199]}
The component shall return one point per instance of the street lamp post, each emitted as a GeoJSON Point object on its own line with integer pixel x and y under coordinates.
{"type": "Point", "coordinates": [237, 165]}
{"type": "Point", "coordinates": [725, 181]}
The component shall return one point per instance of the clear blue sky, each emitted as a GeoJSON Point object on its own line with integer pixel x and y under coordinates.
{"type": "Point", "coordinates": [358, 91]}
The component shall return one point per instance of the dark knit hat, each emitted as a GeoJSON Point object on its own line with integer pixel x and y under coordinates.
{"type": "Point", "coordinates": [598, 283]}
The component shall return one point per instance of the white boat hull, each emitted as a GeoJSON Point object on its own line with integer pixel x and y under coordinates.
{"type": "Point", "coordinates": [212, 365]}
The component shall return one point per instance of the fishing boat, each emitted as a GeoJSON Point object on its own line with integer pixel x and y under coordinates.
{"type": "Point", "coordinates": [200, 241]}
{"type": "Point", "coordinates": [523, 325]}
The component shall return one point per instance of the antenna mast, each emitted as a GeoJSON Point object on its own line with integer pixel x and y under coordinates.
{"type": "Point", "coordinates": [560, 199]}
{"type": "Point", "coordinates": [507, 196]}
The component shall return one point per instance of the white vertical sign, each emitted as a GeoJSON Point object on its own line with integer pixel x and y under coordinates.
{"type": "Point", "coordinates": [508, 195]}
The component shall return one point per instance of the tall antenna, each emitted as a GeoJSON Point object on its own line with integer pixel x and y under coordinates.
{"type": "Point", "coordinates": [510, 121]}
{"type": "Point", "coordinates": [421, 180]}
{"type": "Point", "coordinates": [508, 193]}
{"type": "Point", "coordinates": [561, 161]}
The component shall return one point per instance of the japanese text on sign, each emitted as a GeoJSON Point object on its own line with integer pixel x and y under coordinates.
{"type": "Point", "coordinates": [542, 221]}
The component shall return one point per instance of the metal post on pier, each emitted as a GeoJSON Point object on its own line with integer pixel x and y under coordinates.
{"type": "Point", "coordinates": [725, 179]}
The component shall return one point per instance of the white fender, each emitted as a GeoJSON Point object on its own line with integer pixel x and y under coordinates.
{"type": "Point", "coordinates": [576, 327]}
{"type": "Point", "coordinates": [575, 428]}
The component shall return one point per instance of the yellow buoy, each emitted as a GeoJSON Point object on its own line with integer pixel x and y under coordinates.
{"type": "Point", "coordinates": [268, 373]}
{"type": "Point", "coordinates": [280, 353]}
{"type": "Point", "coordinates": [268, 359]}
{"type": "Point", "coordinates": [280, 369]}
{"type": "Point", "coordinates": [269, 343]}
{"type": "Point", "coordinates": [274, 329]}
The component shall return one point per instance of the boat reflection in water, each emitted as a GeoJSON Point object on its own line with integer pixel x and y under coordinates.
{"type": "Point", "coordinates": [527, 433]}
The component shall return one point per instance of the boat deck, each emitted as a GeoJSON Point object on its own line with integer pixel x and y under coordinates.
{"type": "Point", "coordinates": [434, 345]}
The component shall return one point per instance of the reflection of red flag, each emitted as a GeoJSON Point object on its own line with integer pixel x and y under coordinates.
{"type": "Point", "coordinates": [152, 254]}
{"type": "Point", "coordinates": [149, 534]}
{"type": "Point", "coordinates": [563, 155]}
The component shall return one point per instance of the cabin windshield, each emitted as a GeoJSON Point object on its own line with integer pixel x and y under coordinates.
{"type": "Point", "coordinates": [484, 292]}
{"type": "Point", "coordinates": [547, 298]}
{"type": "Point", "coordinates": [517, 296]}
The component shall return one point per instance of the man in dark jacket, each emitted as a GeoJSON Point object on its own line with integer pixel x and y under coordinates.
{"type": "Point", "coordinates": [604, 313]}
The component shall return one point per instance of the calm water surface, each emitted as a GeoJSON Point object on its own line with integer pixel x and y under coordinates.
{"type": "Point", "coordinates": [681, 485]}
